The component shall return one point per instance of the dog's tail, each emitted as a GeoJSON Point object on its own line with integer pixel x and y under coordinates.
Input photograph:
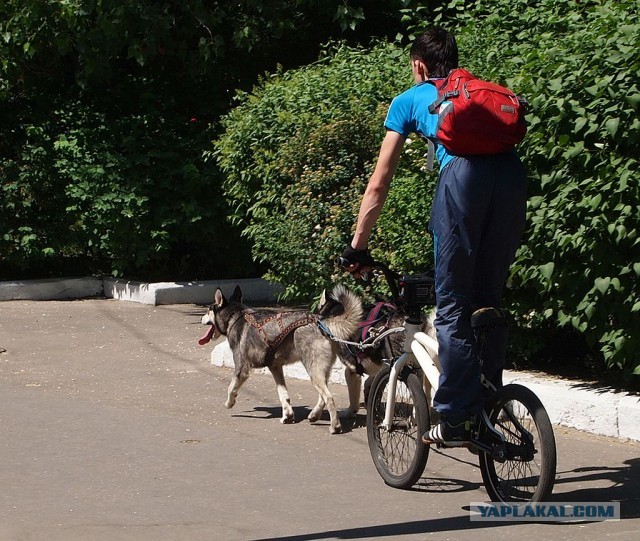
{"type": "Point", "coordinates": [341, 312]}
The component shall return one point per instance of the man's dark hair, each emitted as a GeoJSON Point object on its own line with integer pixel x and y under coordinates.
{"type": "Point", "coordinates": [437, 48]}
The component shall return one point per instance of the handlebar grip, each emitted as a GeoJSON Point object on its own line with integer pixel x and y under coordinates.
{"type": "Point", "coordinates": [343, 262]}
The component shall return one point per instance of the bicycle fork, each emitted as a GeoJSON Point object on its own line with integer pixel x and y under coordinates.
{"type": "Point", "coordinates": [415, 352]}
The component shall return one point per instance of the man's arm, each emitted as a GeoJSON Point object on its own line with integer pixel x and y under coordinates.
{"type": "Point", "coordinates": [377, 188]}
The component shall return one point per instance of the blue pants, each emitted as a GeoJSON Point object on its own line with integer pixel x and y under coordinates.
{"type": "Point", "coordinates": [477, 220]}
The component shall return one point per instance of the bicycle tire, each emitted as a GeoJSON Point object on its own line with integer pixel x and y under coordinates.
{"type": "Point", "coordinates": [528, 478]}
{"type": "Point", "coordinates": [398, 454]}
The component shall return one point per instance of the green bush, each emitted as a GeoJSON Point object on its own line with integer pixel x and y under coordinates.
{"type": "Point", "coordinates": [101, 167]}
{"type": "Point", "coordinates": [97, 195]}
{"type": "Point", "coordinates": [298, 153]}
{"type": "Point", "coordinates": [580, 68]}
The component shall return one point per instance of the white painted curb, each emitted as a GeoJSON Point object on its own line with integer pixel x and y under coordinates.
{"type": "Point", "coordinates": [254, 290]}
{"type": "Point", "coordinates": [42, 290]}
{"type": "Point", "coordinates": [222, 356]}
{"type": "Point", "coordinates": [580, 406]}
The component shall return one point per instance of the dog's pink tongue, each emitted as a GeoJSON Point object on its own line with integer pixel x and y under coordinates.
{"type": "Point", "coordinates": [206, 337]}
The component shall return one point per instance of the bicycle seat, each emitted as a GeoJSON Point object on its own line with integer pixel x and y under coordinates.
{"type": "Point", "coordinates": [488, 318]}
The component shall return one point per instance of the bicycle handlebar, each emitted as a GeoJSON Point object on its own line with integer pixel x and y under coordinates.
{"type": "Point", "coordinates": [412, 291]}
{"type": "Point", "coordinates": [390, 276]}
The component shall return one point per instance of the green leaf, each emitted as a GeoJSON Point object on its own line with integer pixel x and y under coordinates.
{"type": "Point", "coordinates": [612, 126]}
{"type": "Point", "coordinates": [633, 100]}
{"type": "Point", "coordinates": [602, 284]}
{"type": "Point", "coordinates": [547, 270]}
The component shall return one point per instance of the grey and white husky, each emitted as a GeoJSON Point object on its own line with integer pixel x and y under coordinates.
{"type": "Point", "coordinates": [261, 338]}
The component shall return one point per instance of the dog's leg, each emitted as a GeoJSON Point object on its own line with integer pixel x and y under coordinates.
{"type": "Point", "coordinates": [319, 379]}
{"type": "Point", "coordinates": [287, 410]}
{"type": "Point", "coordinates": [316, 412]}
{"type": "Point", "coordinates": [354, 385]}
{"type": "Point", "coordinates": [238, 379]}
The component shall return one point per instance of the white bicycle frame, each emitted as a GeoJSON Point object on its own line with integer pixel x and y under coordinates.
{"type": "Point", "coordinates": [421, 348]}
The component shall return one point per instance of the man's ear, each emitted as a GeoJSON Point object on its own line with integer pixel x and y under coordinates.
{"type": "Point", "coordinates": [420, 69]}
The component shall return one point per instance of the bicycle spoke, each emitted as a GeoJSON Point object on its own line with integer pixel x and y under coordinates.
{"type": "Point", "coordinates": [397, 445]}
{"type": "Point", "coordinates": [396, 450]}
{"type": "Point", "coordinates": [517, 478]}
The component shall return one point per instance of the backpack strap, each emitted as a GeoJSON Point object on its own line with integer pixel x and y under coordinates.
{"type": "Point", "coordinates": [431, 152]}
{"type": "Point", "coordinates": [433, 109]}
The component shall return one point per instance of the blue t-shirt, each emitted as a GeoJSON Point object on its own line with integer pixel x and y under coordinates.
{"type": "Point", "coordinates": [409, 113]}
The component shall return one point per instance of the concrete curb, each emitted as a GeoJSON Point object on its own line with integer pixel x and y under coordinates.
{"type": "Point", "coordinates": [54, 289]}
{"type": "Point", "coordinates": [575, 405]}
{"type": "Point", "coordinates": [254, 290]}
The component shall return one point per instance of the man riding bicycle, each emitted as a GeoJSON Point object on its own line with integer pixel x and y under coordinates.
{"type": "Point", "coordinates": [477, 221]}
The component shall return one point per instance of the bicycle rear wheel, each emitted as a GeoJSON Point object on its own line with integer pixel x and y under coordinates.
{"type": "Point", "coordinates": [398, 452]}
{"type": "Point", "coordinates": [528, 471]}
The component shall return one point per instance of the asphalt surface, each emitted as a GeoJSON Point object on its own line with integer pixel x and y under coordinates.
{"type": "Point", "coordinates": [112, 427]}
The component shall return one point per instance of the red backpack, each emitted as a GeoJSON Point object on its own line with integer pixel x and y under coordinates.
{"type": "Point", "coordinates": [476, 116]}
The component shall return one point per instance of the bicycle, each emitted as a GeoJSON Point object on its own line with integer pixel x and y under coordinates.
{"type": "Point", "coordinates": [513, 436]}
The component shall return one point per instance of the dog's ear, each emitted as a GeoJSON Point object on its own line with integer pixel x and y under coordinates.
{"type": "Point", "coordinates": [219, 300]}
{"type": "Point", "coordinates": [329, 306]}
{"type": "Point", "coordinates": [323, 300]}
{"type": "Point", "coordinates": [237, 294]}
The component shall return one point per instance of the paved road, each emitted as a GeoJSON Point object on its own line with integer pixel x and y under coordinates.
{"type": "Point", "coordinates": [112, 428]}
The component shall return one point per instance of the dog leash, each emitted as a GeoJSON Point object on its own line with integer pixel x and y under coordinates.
{"type": "Point", "coordinates": [363, 345]}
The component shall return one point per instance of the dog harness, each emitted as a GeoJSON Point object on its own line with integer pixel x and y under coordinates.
{"type": "Point", "coordinates": [380, 312]}
{"type": "Point", "coordinates": [274, 328]}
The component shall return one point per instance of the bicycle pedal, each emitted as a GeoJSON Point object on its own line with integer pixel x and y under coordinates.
{"type": "Point", "coordinates": [454, 445]}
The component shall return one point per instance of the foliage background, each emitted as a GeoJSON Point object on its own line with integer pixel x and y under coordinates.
{"type": "Point", "coordinates": [297, 153]}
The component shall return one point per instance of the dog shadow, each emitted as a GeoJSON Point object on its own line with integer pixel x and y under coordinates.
{"type": "Point", "coordinates": [302, 412]}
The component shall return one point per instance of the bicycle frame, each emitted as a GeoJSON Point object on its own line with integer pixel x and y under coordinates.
{"type": "Point", "coordinates": [417, 347]}
{"type": "Point", "coordinates": [416, 350]}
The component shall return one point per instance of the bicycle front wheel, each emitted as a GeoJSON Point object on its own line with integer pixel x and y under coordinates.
{"type": "Point", "coordinates": [397, 451]}
{"type": "Point", "coordinates": [527, 471]}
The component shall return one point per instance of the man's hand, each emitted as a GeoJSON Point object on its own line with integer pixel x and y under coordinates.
{"type": "Point", "coordinates": [358, 263]}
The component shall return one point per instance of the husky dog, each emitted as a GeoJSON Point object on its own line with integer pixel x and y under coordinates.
{"type": "Point", "coordinates": [266, 338]}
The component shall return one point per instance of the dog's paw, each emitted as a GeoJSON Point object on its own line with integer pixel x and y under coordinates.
{"type": "Point", "coordinates": [229, 403]}
{"type": "Point", "coordinates": [287, 420]}
{"type": "Point", "coordinates": [335, 429]}
{"type": "Point", "coordinates": [314, 416]}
